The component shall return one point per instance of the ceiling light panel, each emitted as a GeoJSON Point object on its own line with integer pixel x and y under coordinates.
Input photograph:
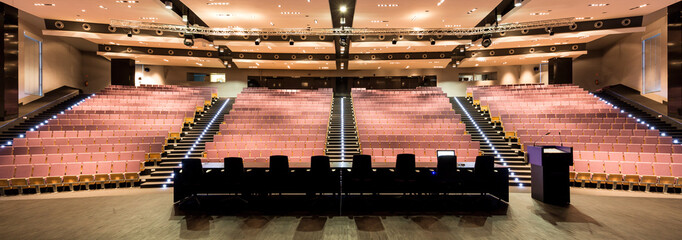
{"type": "Point", "coordinates": [420, 14]}
{"type": "Point", "coordinates": [596, 9]}
{"type": "Point", "coordinates": [250, 14]}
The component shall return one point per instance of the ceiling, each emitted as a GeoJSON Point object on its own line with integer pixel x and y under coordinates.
{"type": "Point", "coordinates": [166, 60]}
{"type": "Point", "coordinates": [277, 14]}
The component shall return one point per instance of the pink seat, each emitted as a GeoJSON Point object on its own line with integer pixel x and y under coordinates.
{"type": "Point", "coordinates": [581, 166]}
{"type": "Point", "coordinates": [676, 169]}
{"type": "Point", "coordinates": [647, 157]}
{"type": "Point", "coordinates": [58, 169]}
{"type": "Point", "coordinates": [645, 168]}
{"type": "Point", "coordinates": [132, 166]}
{"type": "Point", "coordinates": [23, 171]}
{"type": "Point", "coordinates": [118, 167]}
{"type": "Point", "coordinates": [611, 167]}
{"type": "Point", "coordinates": [89, 168]}
{"type": "Point", "coordinates": [41, 170]}
{"type": "Point", "coordinates": [628, 168]}
{"type": "Point", "coordinates": [662, 169]}
{"type": "Point", "coordinates": [6, 171]}
{"type": "Point", "coordinates": [6, 159]}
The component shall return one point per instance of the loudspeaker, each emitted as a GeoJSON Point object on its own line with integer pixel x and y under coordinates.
{"type": "Point", "coordinates": [560, 70]}
{"type": "Point", "coordinates": [123, 72]}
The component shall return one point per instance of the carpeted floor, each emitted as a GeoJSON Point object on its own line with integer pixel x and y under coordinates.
{"type": "Point", "coordinates": [149, 214]}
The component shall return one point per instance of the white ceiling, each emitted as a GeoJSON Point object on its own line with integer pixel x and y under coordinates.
{"type": "Point", "coordinates": [90, 10]}
{"type": "Point", "coordinates": [579, 8]}
{"type": "Point", "coordinates": [249, 14]}
{"type": "Point", "coordinates": [421, 13]}
{"type": "Point", "coordinates": [368, 14]}
{"type": "Point", "coordinates": [527, 59]}
{"type": "Point", "coordinates": [397, 64]}
{"type": "Point", "coordinates": [282, 64]}
{"type": "Point", "coordinates": [279, 46]}
{"type": "Point", "coordinates": [166, 60]}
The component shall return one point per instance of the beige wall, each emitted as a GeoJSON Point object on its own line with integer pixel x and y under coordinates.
{"type": "Point", "coordinates": [237, 78]}
{"type": "Point", "coordinates": [63, 64]}
{"type": "Point", "coordinates": [621, 63]}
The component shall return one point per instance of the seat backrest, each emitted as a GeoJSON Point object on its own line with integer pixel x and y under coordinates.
{"type": "Point", "coordinates": [484, 166]}
{"type": "Point", "coordinates": [320, 166]}
{"type": "Point", "coordinates": [279, 165]}
{"type": "Point", "coordinates": [234, 166]}
{"type": "Point", "coordinates": [405, 164]}
{"type": "Point", "coordinates": [362, 165]}
{"type": "Point", "coordinates": [446, 166]}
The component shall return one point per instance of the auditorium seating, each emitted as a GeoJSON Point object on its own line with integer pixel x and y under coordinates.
{"type": "Point", "coordinates": [107, 138]}
{"type": "Point", "coordinates": [610, 147]}
{"type": "Point", "coordinates": [265, 122]}
{"type": "Point", "coordinates": [416, 121]}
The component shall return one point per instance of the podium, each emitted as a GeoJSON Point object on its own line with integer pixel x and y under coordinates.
{"type": "Point", "coordinates": [549, 173]}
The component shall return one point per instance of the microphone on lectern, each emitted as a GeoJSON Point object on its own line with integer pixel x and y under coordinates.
{"type": "Point", "coordinates": [536, 140]}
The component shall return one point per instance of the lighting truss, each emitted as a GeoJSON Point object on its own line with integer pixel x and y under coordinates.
{"type": "Point", "coordinates": [562, 22]}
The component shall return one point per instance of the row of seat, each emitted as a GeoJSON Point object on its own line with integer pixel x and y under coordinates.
{"type": "Point", "coordinates": [56, 175]}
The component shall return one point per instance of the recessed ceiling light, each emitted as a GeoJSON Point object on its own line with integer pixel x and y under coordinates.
{"type": "Point", "coordinates": [224, 14]}
{"type": "Point", "coordinates": [379, 21]}
{"type": "Point", "coordinates": [598, 5]}
{"type": "Point", "coordinates": [583, 18]}
{"type": "Point", "coordinates": [539, 13]}
{"type": "Point", "coordinates": [127, 1]}
{"type": "Point", "coordinates": [472, 11]}
{"type": "Point", "coordinates": [640, 6]}
{"type": "Point", "coordinates": [165, 60]}
{"type": "Point", "coordinates": [80, 19]}
{"type": "Point", "coordinates": [452, 26]}
{"type": "Point", "coordinates": [439, 3]}
{"type": "Point", "coordinates": [388, 5]}
{"type": "Point", "coordinates": [44, 4]}
{"type": "Point", "coordinates": [149, 18]}
{"type": "Point", "coordinates": [290, 13]}
{"type": "Point", "coordinates": [343, 9]}
{"type": "Point", "coordinates": [102, 7]}
{"type": "Point", "coordinates": [218, 3]}
{"type": "Point", "coordinates": [315, 21]}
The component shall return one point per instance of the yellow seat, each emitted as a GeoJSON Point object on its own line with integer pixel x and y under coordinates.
{"type": "Point", "coordinates": [614, 179]}
{"type": "Point", "coordinates": [36, 182]}
{"type": "Point", "coordinates": [54, 182]}
{"type": "Point", "coordinates": [86, 179]}
{"type": "Point", "coordinates": [598, 178]}
{"type": "Point", "coordinates": [582, 178]}
{"type": "Point", "coordinates": [631, 180]}
{"type": "Point", "coordinates": [70, 181]}
{"type": "Point", "coordinates": [132, 178]}
{"type": "Point", "coordinates": [648, 181]}
{"type": "Point", "coordinates": [4, 184]}
{"type": "Point", "coordinates": [102, 178]}
{"type": "Point", "coordinates": [666, 182]}
{"type": "Point", "coordinates": [116, 178]}
{"type": "Point", "coordinates": [19, 183]}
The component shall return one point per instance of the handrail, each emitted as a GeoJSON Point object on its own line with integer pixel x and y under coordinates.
{"type": "Point", "coordinates": [40, 109]}
{"type": "Point", "coordinates": [670, 120]}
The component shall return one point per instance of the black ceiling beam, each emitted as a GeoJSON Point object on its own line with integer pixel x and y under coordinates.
{"type": "Point", "coordinates": [503, 8]}
{"type": "Point", "coordinates": [180, 9]}
{"type": "Point", "coordinates": [583, 26]}
{"type": "Point", "coordinates": [342, 42]}
{"type": "Point", "coordinates": [561, 48]}
{"type": "Point", "coordinates": [178, 52]}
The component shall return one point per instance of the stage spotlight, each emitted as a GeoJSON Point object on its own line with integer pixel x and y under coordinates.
{"type": "Point", "coordinates": [486, 42]}
{"type": "Point", "coordinates": [291, 42]}
{"type": "Point", "coordinates": [130, 33]}
{"type": "Point", "coordinates": [550, 31]}
{"type": "Point", "coordinates": [394, 41]}
{"type": "Point", "coordinates": [189, 40]}
{"type": "Point", "coordinates": [257, 42]}
{"type": "Point", "coordinates": [433, 41]}
{"type": "Point", "coordinates": [169, 4]}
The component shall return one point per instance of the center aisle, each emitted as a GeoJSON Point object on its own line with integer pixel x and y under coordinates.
{"type": "Point", "coordinates": [342, 135]}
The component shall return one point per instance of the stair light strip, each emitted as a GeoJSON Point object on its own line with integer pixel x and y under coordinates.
{"type": "Point", "coordinates": [481, 132]}
{"type": "Point", "coordinates": [206, 128]}
{"type": "Point", "coordinates": [675, 141]}
{"type": "Point", "coordinates": [343, 144]}
{"type": "Point", "coordinates": [9, 143]}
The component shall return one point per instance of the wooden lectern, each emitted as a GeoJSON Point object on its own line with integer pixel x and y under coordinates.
{"type": "Point", "coordinates": [549, 173]}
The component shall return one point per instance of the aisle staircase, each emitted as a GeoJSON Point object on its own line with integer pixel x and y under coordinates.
{"type": "Point", "coordinates": [636, 112]}
{"type": "Point", "coordinates": [30, 123]}
{"type": "Point", "coordinates": [506, 152]}
{"type": "Point", "coordinates": [192, 144]}
{"type": "Point", "coordinates": [342, 137]}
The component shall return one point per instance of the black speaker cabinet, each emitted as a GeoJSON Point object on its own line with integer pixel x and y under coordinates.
{"type": "Point", "coordinates": [560, 70]}
{"type": "Point", "coordinates": [123, 72]}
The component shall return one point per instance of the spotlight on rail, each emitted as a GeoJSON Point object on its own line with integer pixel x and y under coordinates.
{"type": "Point", "coordinates": [189, 40]}
{"type": "Point", "coordinates": [486, 42]}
